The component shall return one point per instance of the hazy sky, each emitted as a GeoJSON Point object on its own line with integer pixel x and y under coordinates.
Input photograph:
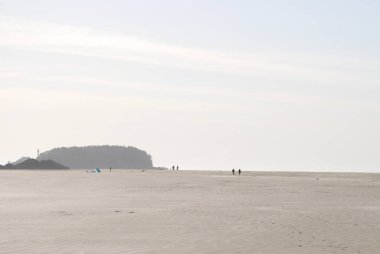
{"type": "Point", "coordinates": [257, 85]}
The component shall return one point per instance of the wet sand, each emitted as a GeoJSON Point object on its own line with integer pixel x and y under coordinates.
{"type": "Point", "coordinates": [132, 211]}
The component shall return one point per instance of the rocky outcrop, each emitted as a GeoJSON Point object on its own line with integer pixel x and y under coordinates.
{"type": "Point", "coordinates": [35, 164]}
{"type": "Point", "coordinates": [90, 157]}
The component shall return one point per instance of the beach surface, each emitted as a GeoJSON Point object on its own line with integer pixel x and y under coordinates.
{"type": "Point", "coordinates": [134, 211]}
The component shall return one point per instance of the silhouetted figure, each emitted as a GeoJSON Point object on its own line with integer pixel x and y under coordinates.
{"type": "Point", "coordinates": [110, 169]}
{"type": "Point", "coordinates": [177, 167]}
{"type": "Point", "coordinates": [173, 167]}
{"type": "Point", "coordinates": [239, 171]}
{"type": "Point", "coordinates": [233, 171]}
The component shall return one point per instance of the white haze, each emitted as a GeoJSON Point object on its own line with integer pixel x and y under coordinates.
{"type": "Point", "coordinates": [258, 108]}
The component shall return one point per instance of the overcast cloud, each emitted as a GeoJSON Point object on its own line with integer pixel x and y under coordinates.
{"type": "Point", "coordinates": [216, 87]}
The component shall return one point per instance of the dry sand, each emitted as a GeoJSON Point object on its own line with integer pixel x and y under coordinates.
{"type": "Point", "coordinates": [188, 212]}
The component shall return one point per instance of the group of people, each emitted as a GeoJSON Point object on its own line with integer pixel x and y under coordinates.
{"type": "Point", "coordinates": [233, 171]}
{"type": "Point", "coordinates": [173, 168]}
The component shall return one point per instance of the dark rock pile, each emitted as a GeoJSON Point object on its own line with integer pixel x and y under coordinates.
{"type": "Point", "coordinates": [34, 164]}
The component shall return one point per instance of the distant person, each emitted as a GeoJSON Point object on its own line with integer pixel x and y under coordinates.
{"type": "Point", "coordinates": [177, 167]}
{"type": "Point", "coordinates": [239, 171]}
{"type": "Point", "coordinates": [110, 169]}
{"type": "Point", "coordinates": [233, 171]}
{"type": "Point", "coordinates": [173, 167]}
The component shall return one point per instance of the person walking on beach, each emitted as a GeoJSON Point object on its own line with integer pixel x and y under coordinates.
{"type": "Point", "coordinates": [173, 167]}
{"type": "Point", "coordinates": [110, 169]}
{"type": "Point", "coordinates": [233, 171]}
{"type": "Point", "coordinates": [239, 171]}
{"type": "Point", "coordinates": [177, 167]}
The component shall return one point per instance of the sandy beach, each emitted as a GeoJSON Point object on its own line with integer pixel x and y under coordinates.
{"type": "Point", "coordinates": [134, 211]}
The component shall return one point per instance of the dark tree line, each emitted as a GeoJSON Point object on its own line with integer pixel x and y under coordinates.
{"type": "Point", "coordinates": [89, 157]}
